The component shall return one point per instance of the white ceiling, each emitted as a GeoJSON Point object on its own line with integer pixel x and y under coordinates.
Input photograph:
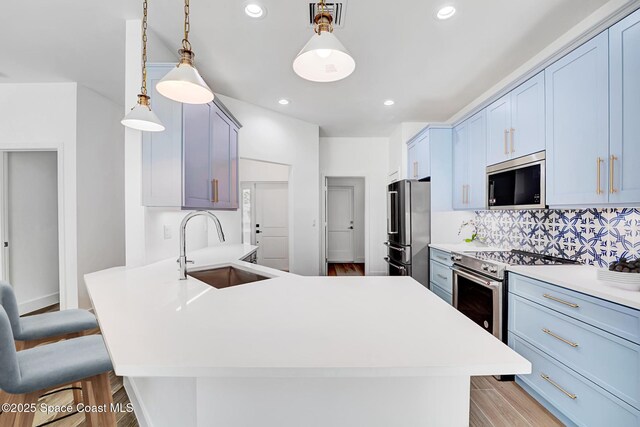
{"type": "Point", "coordinates": [430, 68]}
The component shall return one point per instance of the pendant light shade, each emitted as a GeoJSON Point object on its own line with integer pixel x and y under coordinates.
{"type": "Point", "coordinates": [142, 118]}
{"type": "Point", "coordinates": [184, 83]}
{"type": "Point", "coordinates": [324, 59]}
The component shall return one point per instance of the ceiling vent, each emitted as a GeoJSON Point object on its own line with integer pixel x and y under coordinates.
{"type": "Point", "coordinates": [337, 10]}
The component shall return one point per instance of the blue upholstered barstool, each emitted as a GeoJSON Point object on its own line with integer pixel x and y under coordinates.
{"type": "Point", "coordinates": [32, 372]}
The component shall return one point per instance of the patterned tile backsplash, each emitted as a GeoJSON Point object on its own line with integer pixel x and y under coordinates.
{"type": "Point", "coordinates": [592, 236]}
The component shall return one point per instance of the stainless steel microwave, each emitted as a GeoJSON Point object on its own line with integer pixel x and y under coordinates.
{"type": "Point", "coordinates": [517, 183]}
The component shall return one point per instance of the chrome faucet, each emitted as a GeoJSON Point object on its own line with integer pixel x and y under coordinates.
{"type": "Point", "coordinates": [182, 260]}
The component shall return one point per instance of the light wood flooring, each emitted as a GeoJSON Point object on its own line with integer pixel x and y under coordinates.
{"type": "Point", "coordinates": [493, 403]}
{"type": "Point", "coordinates": [345, 269]}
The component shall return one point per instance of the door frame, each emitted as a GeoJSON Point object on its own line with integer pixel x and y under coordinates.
{"type": "Point", "coordinates": [67, 215]}
{"type": "Point", "coordinates": [324, 179]}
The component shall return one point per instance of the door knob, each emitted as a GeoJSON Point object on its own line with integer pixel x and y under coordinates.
{"type": "Point", "coordinates": [258, 231]}
{"type": "Point", "coordinates": [351, 227]}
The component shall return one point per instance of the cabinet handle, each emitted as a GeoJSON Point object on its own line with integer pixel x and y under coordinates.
{"type": "Point", "coordinates": [513, 147]}
{"type": "Point", "coordinates": [548, 332]}
{"type": "Point", "coordinates": [552, 298]}
{"type": "Point", "coordinates": [506, 149]}
{"type": "Point", "coordinates": [598, 163]}
{"type": "Point", "coordinates": [612, 188]}
{"type": "Point", "coordinates": [441, 276]}
{"type": "Point", "coordinates": [445, 259]}
{"type": "Point", "coordinates": [214, 191]}
{"type": "Point", "coordinates": [556, 385]}
{"type": "Point", "coordinates": [463, 194]}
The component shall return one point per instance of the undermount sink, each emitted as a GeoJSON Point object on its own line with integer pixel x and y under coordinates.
{"type": "Point", "coordinates": [225, 277]}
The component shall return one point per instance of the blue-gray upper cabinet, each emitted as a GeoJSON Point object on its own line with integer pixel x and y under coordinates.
{"type": "Point", "coordinates": [193, 164]}
{"type": "Point", "coordinates": [624, 66]}
{"type": "Point", "coordinates": [418, 158]}
{"type": "Point", "coordinates": [470, 162]}
{"type": "Point", "coordinates": [577, 125]}
{"type": "Point", "coordinates": [516, 122]}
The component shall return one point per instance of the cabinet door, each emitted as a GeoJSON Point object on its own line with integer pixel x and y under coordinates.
{"type": "Point", "coordinates": [460, 166]}
{"type": "Point", "coordinates": [624, 66]}
{"type": "Point", "coordinates": [577, 125]}
{"type": "Point", "coordinates": [477, 152]}
{"type": "Point", "coordinates": [424, 158]}
{"type": "Point", "coordinates": [498, 125]}
{"type": "Point", "coordinates": [224, 170]}
{"type": "Point", "coordinates": [412, 161]}
{"type": "Point", "coordinates": [198, 157]}
{"type": "Point", "coordinates": [162, 151]}
{"type": "Point", "coordinates": [527, 118]}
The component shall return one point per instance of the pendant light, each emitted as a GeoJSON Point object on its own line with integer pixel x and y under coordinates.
{"type": "Point", "coordinates": [184, 83]}
{"type": "Point", "coordinates": [141, 117]}
{"type": "Point", "coordinates": [323, 58]}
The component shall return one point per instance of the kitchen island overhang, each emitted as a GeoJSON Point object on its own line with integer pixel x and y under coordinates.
{"type": "Point", "coordinates": [290, 350]}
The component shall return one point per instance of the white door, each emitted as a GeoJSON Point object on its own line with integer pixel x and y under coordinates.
{"type": "Point", "coordinates": [340, 224]}
{"type": "Point", "coordinates": [30, 227]}
{"type": "Point", "coordinates": [272, 224]}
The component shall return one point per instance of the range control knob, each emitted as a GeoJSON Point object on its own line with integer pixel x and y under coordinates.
{"type": "Point", "coordinates": [493, 269]}
{"type": "Point", "coordinates": [485, 267]}
{"type": "Point", "coordinates": [457, 258]}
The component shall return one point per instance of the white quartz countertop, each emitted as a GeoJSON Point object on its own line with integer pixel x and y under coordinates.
{"type": "Point", "coordinates": [288, 326]}
{"type": "Point", "coordinates": [580, 278]}
{"type": "Point", "coordinates": [464, 247]}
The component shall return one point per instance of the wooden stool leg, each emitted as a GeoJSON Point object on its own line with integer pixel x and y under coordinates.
{"type": "Point", "coordinates": [78, 391]}
{"type": "Point", "coordinates": [101, 387]}
{"type": "Point", "coordinates": [25, 418]}
{"type": "Point", "coordinates": [91, 418]}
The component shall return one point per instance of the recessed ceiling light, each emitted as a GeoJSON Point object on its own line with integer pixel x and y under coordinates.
{"type": "Point", "coordinates": [283, 101]}
{"type": "Point", "coordinates": [446, 12]}
{"type": "Point", "coordinates": [389, 102]}
{"type": "Point", "coordinates": [254, 10]}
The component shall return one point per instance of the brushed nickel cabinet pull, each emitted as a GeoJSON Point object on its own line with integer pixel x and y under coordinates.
{"type": "Point", "coordinates": [612, 188]}
{"type": "Point", "coordinates": [513, 147]}
{"type": "Point", "coordinates": [598, 163]}
{"type": "Point", "coordinates": [548, 332]}
{"type": "Point", "coordinates": [216, 188]}
{"type": "Point", "coordinates": [213, 191]}
{"type": "Point", "coordinates": [556, 385]}
{"type": "Point", "coordinates": [441, 276]}
{"type": "Point", "coordinates": [552, 298]}
{"type": "Point", "coordinates": [506, 149]}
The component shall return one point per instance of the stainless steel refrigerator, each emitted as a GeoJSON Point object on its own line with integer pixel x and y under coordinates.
{"type": "Point", "coordinates": [409, 229]}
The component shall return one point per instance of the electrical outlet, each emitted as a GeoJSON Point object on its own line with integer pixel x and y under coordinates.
{"type": "Point", "coordinates": [167, 232]}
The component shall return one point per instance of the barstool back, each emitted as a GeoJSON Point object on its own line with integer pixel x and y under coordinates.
{"type": "Point", "coordinates": [10, 304]}
{"type": "Point", "coordinates": [9, 369]}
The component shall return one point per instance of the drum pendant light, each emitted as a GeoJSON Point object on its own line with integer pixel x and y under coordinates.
{"type": "Point", "coordinates": [324, 58]}
{"type": "Point", "coordinates": [141, 117]}
{"type": "Point", "coordinates": [184, 83]}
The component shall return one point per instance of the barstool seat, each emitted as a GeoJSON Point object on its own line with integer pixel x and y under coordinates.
{"type": "Point", "coordinates": [40, 326]}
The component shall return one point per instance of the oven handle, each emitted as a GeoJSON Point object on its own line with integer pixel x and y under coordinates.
{"type": "Point", "coordinates": [393, 264]}
{"type": "Point", "coordinates": [475, 279]}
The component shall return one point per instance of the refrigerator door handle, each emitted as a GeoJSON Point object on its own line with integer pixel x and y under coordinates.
{"type": "Point", "coordinates": [389, 208]}
{"type": "Point", "coordinates": [394, 265]}
{"type": "Point", "coordinates": [397, 248]}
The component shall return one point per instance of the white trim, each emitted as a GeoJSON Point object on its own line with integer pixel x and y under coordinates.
{"type": "Point", "coordinates": [38, 303]}
{"type": "Point", "coordinates": [139, 410]}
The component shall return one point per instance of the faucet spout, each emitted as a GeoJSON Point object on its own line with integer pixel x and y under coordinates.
{"type": "Point", "coordinates": [182, 260]}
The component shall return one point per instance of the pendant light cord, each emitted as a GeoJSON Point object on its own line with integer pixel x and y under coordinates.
{"type": "Point", "coordinates": [185, 41]}
{"type": "Point", "coordinates": [143, 89]}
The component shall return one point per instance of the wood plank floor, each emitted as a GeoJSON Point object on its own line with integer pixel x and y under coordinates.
{"type": "Point", "coordinates": [493, 403]}
{"type": "Point", "coordinates": [346, 269]}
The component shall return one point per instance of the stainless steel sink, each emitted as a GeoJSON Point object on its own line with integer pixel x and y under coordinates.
{"type": "Point", "coordinates": [225, 277]}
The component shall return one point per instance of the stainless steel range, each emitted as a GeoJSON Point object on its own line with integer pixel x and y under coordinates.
{"type": "Point", "coordinates": [480, 284]}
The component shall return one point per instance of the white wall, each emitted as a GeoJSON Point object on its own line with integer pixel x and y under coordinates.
{"type": "Point", "coordinates": [42, 116]}
{"type": "Point", "coordinates": [365, 157]}
{"type": "Point", "coordinates": [32, 226]}
{"type": "Point", "coordinates": [100, 186]}
{"type": "Point", "coordinates": [258, 171]}
{"type": "Point", "coordinates": [358, 185]}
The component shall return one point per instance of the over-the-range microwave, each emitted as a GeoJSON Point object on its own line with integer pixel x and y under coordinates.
{"type": "Point", "coordinates": [517, 183]}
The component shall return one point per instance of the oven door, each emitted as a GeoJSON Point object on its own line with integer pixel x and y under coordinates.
{"type": "Point", "coordinates": [397, 269]}
{"type": "Point", "coordinates": [479, 298]}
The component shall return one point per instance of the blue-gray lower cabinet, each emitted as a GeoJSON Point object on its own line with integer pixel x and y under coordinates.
{"type": "Point", "coordinates": [584, 351]}
{"type": "Point", "coordinates": [440, 274]}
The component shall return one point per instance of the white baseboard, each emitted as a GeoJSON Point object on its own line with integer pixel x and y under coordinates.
{"type": "Point", "coordinates": [38, 303]}
{"type": "Point", "coordinates": [138, 407]}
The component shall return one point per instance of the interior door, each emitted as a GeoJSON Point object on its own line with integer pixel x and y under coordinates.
{"type": "Point", "coordinates": [340, 224]}
{"type": "Point", "coordinates": [272, 224]}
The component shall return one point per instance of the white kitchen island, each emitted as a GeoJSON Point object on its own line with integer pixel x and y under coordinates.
{"type": "Point", "coordinates": [291, 350]}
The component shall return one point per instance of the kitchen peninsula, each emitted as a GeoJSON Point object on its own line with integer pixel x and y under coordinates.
{"type": "Point", "coordinates": [290, 350]}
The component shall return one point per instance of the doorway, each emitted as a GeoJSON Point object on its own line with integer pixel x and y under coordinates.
{"type": "Point", "coordinates": [29, 227]}
{"type": "Point", "coordinates": [265, 221]}
{"type": "Point", "coordinates": [345, 226]}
